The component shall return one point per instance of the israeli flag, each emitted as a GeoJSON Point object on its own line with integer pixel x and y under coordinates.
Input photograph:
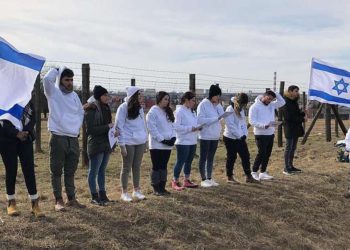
{"type": "Point", "coordinates": [329, 84]}
{"type": "Point", "coordinates": [18, 72]}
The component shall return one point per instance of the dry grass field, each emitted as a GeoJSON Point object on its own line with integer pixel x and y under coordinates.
{"type": "Point", "coordinates": [304, 211]}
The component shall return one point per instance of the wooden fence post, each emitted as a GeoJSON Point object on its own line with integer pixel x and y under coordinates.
{"type": "Point", "coordinates": [85, 70]}
{"type": "Point", "coordinates": [336, 124]}
{"type": "Point", "coordinates": [193, 83]}
{"type": "Point", "coordinates": [328, 122]}
{"type": "Point", "coordinates": [279, 129]}
{"type": "Point", "coordinates": [37, 107]}
{"type": "Point", "coordinates": [304, 108]}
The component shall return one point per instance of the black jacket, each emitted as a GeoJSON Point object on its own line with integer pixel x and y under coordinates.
{"type": "Point", "coordinates": [293, 119]}
{"type": "Point", "coordinates": [97, 118]}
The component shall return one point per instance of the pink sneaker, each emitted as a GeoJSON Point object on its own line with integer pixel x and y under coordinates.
{"type": "Point", "coordinates": [176, 185]}
{"type": "Point", "coordinates": [189, 184]}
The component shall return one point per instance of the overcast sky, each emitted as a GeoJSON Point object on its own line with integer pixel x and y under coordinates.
{"type": "Point", "coordinates": [242, 39]}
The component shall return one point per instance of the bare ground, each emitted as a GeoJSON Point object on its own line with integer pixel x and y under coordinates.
{"type": "Point", "coordinates": [304, 211]}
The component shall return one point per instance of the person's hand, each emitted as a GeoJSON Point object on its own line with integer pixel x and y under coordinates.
{"type": "Point", "coordinates": [243, 138]}
{"type": "Point", "coordinates": [111, 125]}
{"type": "Point", "coordinates": [116, 133]}
{"type": "Point", "coordinates": [194, 129]}
{"type": "Point", "coordinates": [123, 150]}
{"type": "Point", "coordinates": [22, 135]}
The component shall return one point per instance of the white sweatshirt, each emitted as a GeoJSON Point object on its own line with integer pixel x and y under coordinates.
{"type": "Point", "coordinates": [159, 128]}
{"type": "Point", "coordinates": [261, 115]}
{"type": "Point", "coordinates": [208, 113]}
{"type": "Point", "coordinates": [235, 126]}
{"type": "Point", "coordinates": [66, 112]}
{"type": "Point", "coordinates": [132, 132]}
{"type": "Point", "coordinates": [185, 120]}
{"type": "Point", "coordinates": [347, 140]}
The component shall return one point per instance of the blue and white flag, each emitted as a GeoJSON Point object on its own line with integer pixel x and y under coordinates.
{"type": "Point", "coordinates": [18, 72]}
{"type": "Point", "coordinates": [329, 84]}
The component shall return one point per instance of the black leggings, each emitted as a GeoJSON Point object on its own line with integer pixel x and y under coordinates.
{"type": "Point", "coordinates": [160, 158]}
{"type": "Point", "coordinates": [10, 153]}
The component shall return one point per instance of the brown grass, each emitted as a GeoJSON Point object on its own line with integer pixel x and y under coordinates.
{"type": "Point", "coordinates": [305, 211]}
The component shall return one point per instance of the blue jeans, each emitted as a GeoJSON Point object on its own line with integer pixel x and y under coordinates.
{"type": "Point", "coordinates": [97, 169]}
{"type": "Point", "coordinates": [291, 146]}
{"type": "Point", "coordinates": [206, 157]}
{"type": "Point", "coordinates": [185, 155]}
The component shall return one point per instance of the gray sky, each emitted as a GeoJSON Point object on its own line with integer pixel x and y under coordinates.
{"type": "Point", "coordinates": [242, 39]}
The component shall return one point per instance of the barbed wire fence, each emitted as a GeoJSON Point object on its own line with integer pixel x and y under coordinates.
{"type": "Point", "coordinates": [115, 78]}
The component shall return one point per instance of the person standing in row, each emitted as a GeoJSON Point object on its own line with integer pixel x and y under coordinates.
{"type": "Point", "coordinates": [209, 113]}
{"type": "Point", "coordinates": [131, 125]}
{"type": "Point", "coordinates": [18, 142]}
{"type": "Point", "coordinates": [293, 119]}
{"type": "Point", "coordinates": [98, 120]}
{"type": "Point", "coordinates": [235, 138]}
{"type": "Point", "coordinates": [160, 123]}
{"type": "Point", "coordinates": [187, 128]}
{"type": "Point", "coordinates": [65, 120]}
{"type": "Point", "coordinates": [262, 118]}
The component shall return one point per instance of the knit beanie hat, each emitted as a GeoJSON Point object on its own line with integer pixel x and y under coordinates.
{"type": "Point", "coordinates": [99, 91]}
{"type": "Point", "coordinates": [214, 90]}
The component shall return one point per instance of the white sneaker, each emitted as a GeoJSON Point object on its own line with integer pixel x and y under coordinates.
{"type": "Point", "coordinates": [255, 175]}
{"type": "Point", "coordinates": [214, 183]}
{"type": "Point", "coordinates": [138, 195]}
{"type": "Point", "coordinates": [126, 197]}
{"type": "Point", "coordinates": [265, 176]}
{"type": "Point", "coordinates": [206, 183]}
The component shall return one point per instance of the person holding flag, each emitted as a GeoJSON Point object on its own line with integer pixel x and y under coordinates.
{"type": "Point", "coordinates": [18, 71]}
{"type": "Point", "coordinates": [65, 120]}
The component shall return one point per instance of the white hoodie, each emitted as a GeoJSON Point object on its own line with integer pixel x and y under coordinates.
{"type": "Point", "coordinates": [66, 112]}
{"type": "Point", "coordinates": [261, 115]}
{"type": "Point", "coordinates": [159, 128]}
{"type": "Point", "coordinates": [235, 126]}
{"type": "Point", "coordinates": [208, 113]}
{"type": "Point", "coordinates": [132, 132]}
{"type": "Point", "coordinates": [185, 120]}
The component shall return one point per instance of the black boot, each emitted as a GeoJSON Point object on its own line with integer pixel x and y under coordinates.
{"type": "Point", "coordinates": [162, 183]}
{"type": "Point", "coordinates": [103, 197]}
{"type": "Point", "coordinates": [95, 199]}
{"type": "Point", "coordinates": [155, 176]}
{"type": "Point", "coordinates": [156, 190]}
{"type": "Point", "coordinates": [162, 189]}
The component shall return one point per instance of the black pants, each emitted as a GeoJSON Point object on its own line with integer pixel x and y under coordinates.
{"type": "Point", "coordinates": [265, 145]}
{"type": "Point", "coordinates": [159, 171]}
{"type": "Point", "coordinates": [10, 153]}
{"type": "Point", "coordinates": [232, 148]}
{"type": "Point", "coordinates": [160, 158]}
{"type": "Point", "coordinates": [291, 146]}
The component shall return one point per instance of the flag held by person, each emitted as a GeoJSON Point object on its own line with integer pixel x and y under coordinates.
{"type": "Point", "coordinates": [18, 72]}
{"type": "Point", "coordinates": [329, 84]}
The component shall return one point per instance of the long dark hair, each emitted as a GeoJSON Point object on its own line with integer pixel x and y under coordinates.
{"type": "Point", "coordinates": [187, 96]}
{"type": "Point", "coordinates": [134, 106]}
{"type": "Point", "coordinates": [169, 112]}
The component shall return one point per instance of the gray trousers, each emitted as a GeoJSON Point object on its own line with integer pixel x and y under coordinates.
{"type": "Point", "coordinates": [64, 158]}
{"type": "Point", "coordinates": [132, 162]}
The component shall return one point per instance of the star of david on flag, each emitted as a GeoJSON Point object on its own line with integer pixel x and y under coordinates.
{"type": "Point", "coordinates": [329, 84]}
